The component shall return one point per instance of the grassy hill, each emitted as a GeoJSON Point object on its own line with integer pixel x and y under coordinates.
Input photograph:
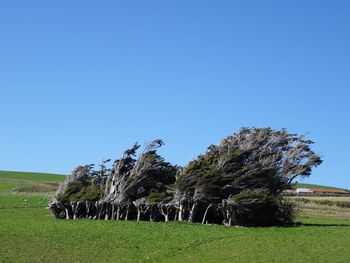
{"type": "Point", "coordinates": [30, 176]}
{"type": "Point", "coordinates": [29, 233]}
{"type": "Point", "coordinates": [24, 190]}
{"type": "Point", "coordinates": [301, 185]}
{"type": "Point", "coordinates": [29, 182]}
{"type": "Point", "coordinates": [10, 179]}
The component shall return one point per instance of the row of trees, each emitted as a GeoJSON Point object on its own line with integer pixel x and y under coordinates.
{"type": "Point", "coordinates": [238, 182]}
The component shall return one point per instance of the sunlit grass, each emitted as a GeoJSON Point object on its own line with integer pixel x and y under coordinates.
{"type": "Point", "coordinates": [33, 233]}
{"type": "Point", "coordinates": [28, 233]}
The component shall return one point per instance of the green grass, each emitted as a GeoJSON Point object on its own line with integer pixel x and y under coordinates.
{"type": "Point", "coordinates": [21, 200]}
{"type": "Point", "coordinates": [43, 177]}
{"type": "Point", "coordinates": [301, 185]}
{"type": "Point", "coordinates": [31, 233]}
{"type": "Point", "coordinates": [29, 182]}
{"type": "Point", "coordinates": [28, 233]}
{"type": "Point", "coordinates": [21, 189]}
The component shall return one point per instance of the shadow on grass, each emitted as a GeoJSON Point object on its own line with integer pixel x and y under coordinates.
{"type": "Point", "coordinates": [299, 224]}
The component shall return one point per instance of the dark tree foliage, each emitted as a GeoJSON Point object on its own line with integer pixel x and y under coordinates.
{"type": "Point", "coordinates": [238, 182]}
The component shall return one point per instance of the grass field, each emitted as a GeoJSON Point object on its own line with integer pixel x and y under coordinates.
{"type": "Point", "coordinates": [29, 182]}
{"type": "Point", "coordinates": [28, 233]}
{"type": "Point", "coordinates": [301, 185]}
{"type": "Point", "coordinates": [25, 190]}
{"type": "Point", "coordinates": [322, 206]}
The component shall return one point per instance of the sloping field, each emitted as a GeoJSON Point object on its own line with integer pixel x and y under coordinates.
{"type": "Point", "coordinates": [28, 233]}
{"type": "Point", "coordinates": [301, 185]}
{"type": "Point", "coordinates": [22, 189]}
{"type": "Point", "coordinates": [29, 182]}
{"type": "Point", "coordinates": [27, 176]}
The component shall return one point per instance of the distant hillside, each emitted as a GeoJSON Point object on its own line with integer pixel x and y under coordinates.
{"type": "Point", "coordinates": [47, 177]}
{"type": "Point", "coordinates": [29, 181]}
{"type": "Point", "coordinates": [37, 182]}
{"type": "Point", "coordinates": [301, 185]}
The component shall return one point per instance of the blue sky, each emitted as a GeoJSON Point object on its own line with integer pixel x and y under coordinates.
{"type": "Point", "coordinates": [83, 80]}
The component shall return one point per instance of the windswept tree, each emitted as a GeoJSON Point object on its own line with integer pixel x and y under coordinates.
{"type": "Point", "coordinates": [252, 159]}
{"type": "Point", "coordinates": [146, 179]}
{"type": "Point", "coordinates": [238, 182]}
{"type": "Point", "coordinates": [131, 185]}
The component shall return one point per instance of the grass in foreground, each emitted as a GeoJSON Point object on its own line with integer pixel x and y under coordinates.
{"type": "Point", "coordinates": [28, 233]}
{"type": "Point", "coordinates": [31, 233]}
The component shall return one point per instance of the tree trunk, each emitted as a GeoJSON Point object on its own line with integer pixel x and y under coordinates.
{"type": "Point", "coordinates": [205, 213]}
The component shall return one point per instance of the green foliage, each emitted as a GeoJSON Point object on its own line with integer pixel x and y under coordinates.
{"type": "Point", "coordinates": [150, 173]}
{"type": "Point", "coordinates": [156, 197]}
{"type": "Point", "coordinates": [261, 208]}
{"type": "Point", "coordinates": [77, 193]}
{"type": "Point", "coordinates": [258, 194]}
{"type": "Point", "coordinates": [256, 158]}
{"type": "Point", "coordinates": [202, 173]}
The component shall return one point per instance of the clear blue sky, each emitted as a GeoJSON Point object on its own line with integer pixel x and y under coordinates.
{"type": "Point", "coordinates": [83, 80]}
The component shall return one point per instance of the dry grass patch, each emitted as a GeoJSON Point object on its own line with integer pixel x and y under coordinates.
{"type": "Point", "coordinates": [40, 187]}
{"type": "Point", "coordinates": [322, 206]}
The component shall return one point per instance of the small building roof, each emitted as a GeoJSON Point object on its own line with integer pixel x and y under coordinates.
{"type": "Point", "coordinates": [303, 190]}
{"type": "Point", "coordinates": [325, 190]}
